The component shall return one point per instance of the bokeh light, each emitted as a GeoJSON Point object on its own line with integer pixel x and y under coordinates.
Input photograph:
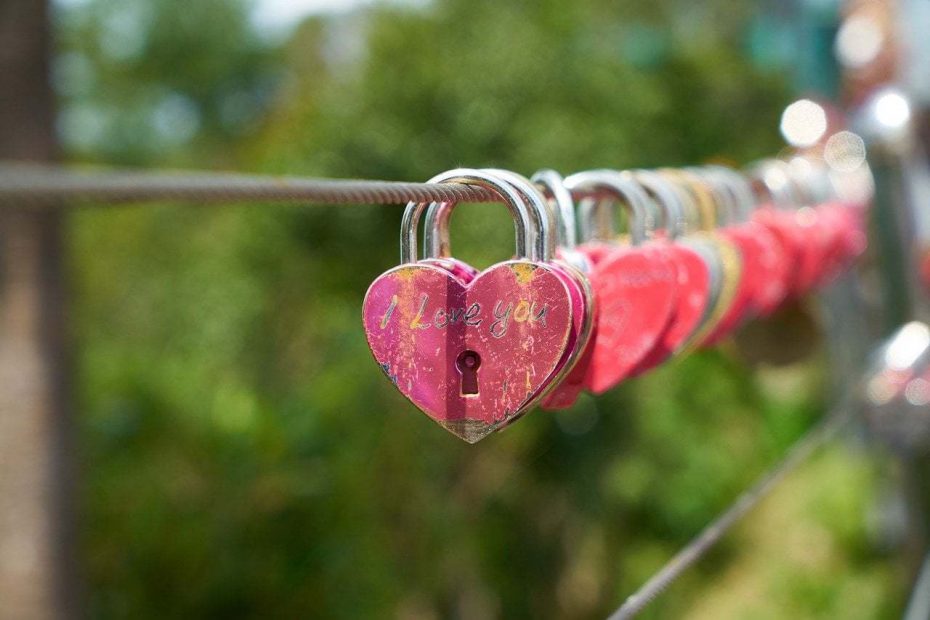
{"type": "Point", "coordinates": [908, 345]}
{"type": "Point", "coordinates": [803, 123]}
{"type": "Point", "coordinates": [859, 41]}
{"type": "Point", "coordinates": [892, 109]}
{"type": "Point", "coordinates": [844, 151]}
{"type": "Point", "coordinates": [917, 392]}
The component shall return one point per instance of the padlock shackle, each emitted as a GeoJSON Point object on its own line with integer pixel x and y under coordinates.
{"type": "Point", "coordinates": [436, 238]}
{"type": "Point", "coordinates": [510, 196]}
{"type": "Point", "coordinates": [726, 207]}
{"type": "Point", "coordinates": [623, 191]}
{"type": "Point", "coordinates": [692, 195]}
{"type": "Point", "coordinates": [772, 177]}
{"type": "Point", "coordinates": [738, 188]}
{"type": "Point", "coordinates": [543, 215]}
{"type": "Point", "coordinates": [741, 189]}
{"type": "Point", "coordinates": [553, 189]}
{"type": "Point", "coordinates": [667, 198]}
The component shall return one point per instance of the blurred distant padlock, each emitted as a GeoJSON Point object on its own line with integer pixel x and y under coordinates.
{"type": "Point", "coordinates": [634, 283]}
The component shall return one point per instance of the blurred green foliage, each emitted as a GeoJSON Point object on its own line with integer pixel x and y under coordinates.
{"type": "Point", "coordinates": [242, 454]}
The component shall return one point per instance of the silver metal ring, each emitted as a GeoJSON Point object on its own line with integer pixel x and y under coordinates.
{"type": "Point", "coordinates": [619, 187]}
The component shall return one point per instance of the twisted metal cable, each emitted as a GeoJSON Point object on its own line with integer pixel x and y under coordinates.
{"type": "Point", "coordinates": [36, 185]}
{"type": "Point", "coordinates": [799, 452]}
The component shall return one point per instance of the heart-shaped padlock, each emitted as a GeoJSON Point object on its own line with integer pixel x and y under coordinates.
{"type": "Point", "coordinates": [781, 225]}
{"type": "Point", "coordinates": [765, 269]}
{"type": "Point", "coordinates": [474, 356]}
{"type": "Point", "coordinates": [693, 279]}
{"type": "Point", "coordinates": [545, 220]}
{"type": "Point", "coordinates": [773, 260]}
{"type": "Point", "coordinates": [728, 214]}
{"type": "Point", "coordinates": [850, 240]}
{"type": "Point", "coordinates": [718, 252]}
{"type": "Point", "coordinates": [798, 230]}
{"type": "Point", "coordinates": [552, 185]}
{"type": "Point", "coordinates": [634, 284]}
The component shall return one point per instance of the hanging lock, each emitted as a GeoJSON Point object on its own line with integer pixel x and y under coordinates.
{"type": "Point", "coordinates": [766, 272]}
{"type": "Point", "coordinates": [720, 253]}
{"type": "Point", "coordinates": [545, 219]}
{"type": "Point", "coordinates": [474, 356]}
{"type": "Point", "coordinates": [775, 201]}
{"type": "Point", "coordinates": [552, 186]}
{"type": "Point", "coordinates": [634, 284]}
{"type": "Point", "coordinates": [693, 274]}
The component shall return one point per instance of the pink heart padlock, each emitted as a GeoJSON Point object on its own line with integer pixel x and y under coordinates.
{"type": "Point", "coordinates": [552, 185]}
{"type": "Point", "coordinates": [780, 223]}
{"type": "Point", "coordinates": [634, 285]}
{"type": "Point", "coordinates": [474, 356]}
{"type": "Point", "coordinates": [692, 276]}
{"type": "Point", "coordinates": [549, 224]}
{"type": "Point", "coordinates": [754, 244]}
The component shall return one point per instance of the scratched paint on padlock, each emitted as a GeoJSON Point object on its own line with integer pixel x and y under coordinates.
{"type": "Point", "coordinates": [516, 316]}
{"type": "Point", "coordinates": [570, 379]}
{"type": "Point", "coordinates": [693, 294]}
{"type": "Point", "coordinates": [635, 291]}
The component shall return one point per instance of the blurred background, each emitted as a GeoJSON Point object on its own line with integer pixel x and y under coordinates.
{"type": "Point", "coordinates": [238, 453]}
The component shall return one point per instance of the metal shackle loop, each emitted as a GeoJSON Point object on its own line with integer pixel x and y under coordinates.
{"type": "Point", "coordinates": [436, 227]}
{"type": "Point", "coordinates": [668, 199]}
{"type": "Point", "coordinates": [622, 190]}
{"type": "Point", "coordinates": [470, 176]}
{"type": "Point", "coordinates": [689, 196]}
{"type": "Point", "coordinates": [545, 217]}
{"type": "Point", "coordinates": [552, 186]}
{"type": "Point", "coordinates": [726, 209]}
{"type": "Point", "coordinates": [740, 190]}
{"type": "Point", "coordinates": [772, 176]}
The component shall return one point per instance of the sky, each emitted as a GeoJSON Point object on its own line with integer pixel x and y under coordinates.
{"type": "Point", "coordinates": [278, 17]}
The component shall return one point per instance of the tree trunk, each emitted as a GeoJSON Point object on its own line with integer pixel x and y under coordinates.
{"type": "Point", "coordinates": [36, 567]}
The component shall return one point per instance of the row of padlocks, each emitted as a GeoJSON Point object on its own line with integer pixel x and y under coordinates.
{"type": "Point", "coordinates": [581, 308]}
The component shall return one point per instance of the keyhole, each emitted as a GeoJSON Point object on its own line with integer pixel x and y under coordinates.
{"type": "Point", "coordinates": [467, 363]}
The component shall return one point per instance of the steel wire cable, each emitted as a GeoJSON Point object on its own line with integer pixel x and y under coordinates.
{"type": "Point", "coordinates": [799, 452]}
{"type": "Point", "coordinates": [37, 185]}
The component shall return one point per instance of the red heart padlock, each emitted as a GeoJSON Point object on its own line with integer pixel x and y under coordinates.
{"type": "Point", "coordinates": [775, 266]}
{"type": "Point", "coordinates": [787, 237]}
{"type": "Point", "coordinates": [634, 285]}
{"type": "Point", "coordinates": [473, 356]}
{"type": "Point", "coordinates": [847, 234]}
{"type": "Point", "coordinates": [818, 239]}
{"type": "Point", "coordinates": [769, 274]}
{"type": "Point", "coordinates": [692, 275]}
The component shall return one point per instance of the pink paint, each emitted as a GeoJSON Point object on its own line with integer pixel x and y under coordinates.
{"type": "Point", "coordinates": [566, 391]}
{"type": "Point", "coordinates": [791, 241]}
{"type": "Point", "coordinates": [691, 299]}
{"type": "Point", "coordinates": [635, 292]}
{"type": "Point", "coordinates": [750, 275]}
{"type": "Point", "coordinates": [517, 316]}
